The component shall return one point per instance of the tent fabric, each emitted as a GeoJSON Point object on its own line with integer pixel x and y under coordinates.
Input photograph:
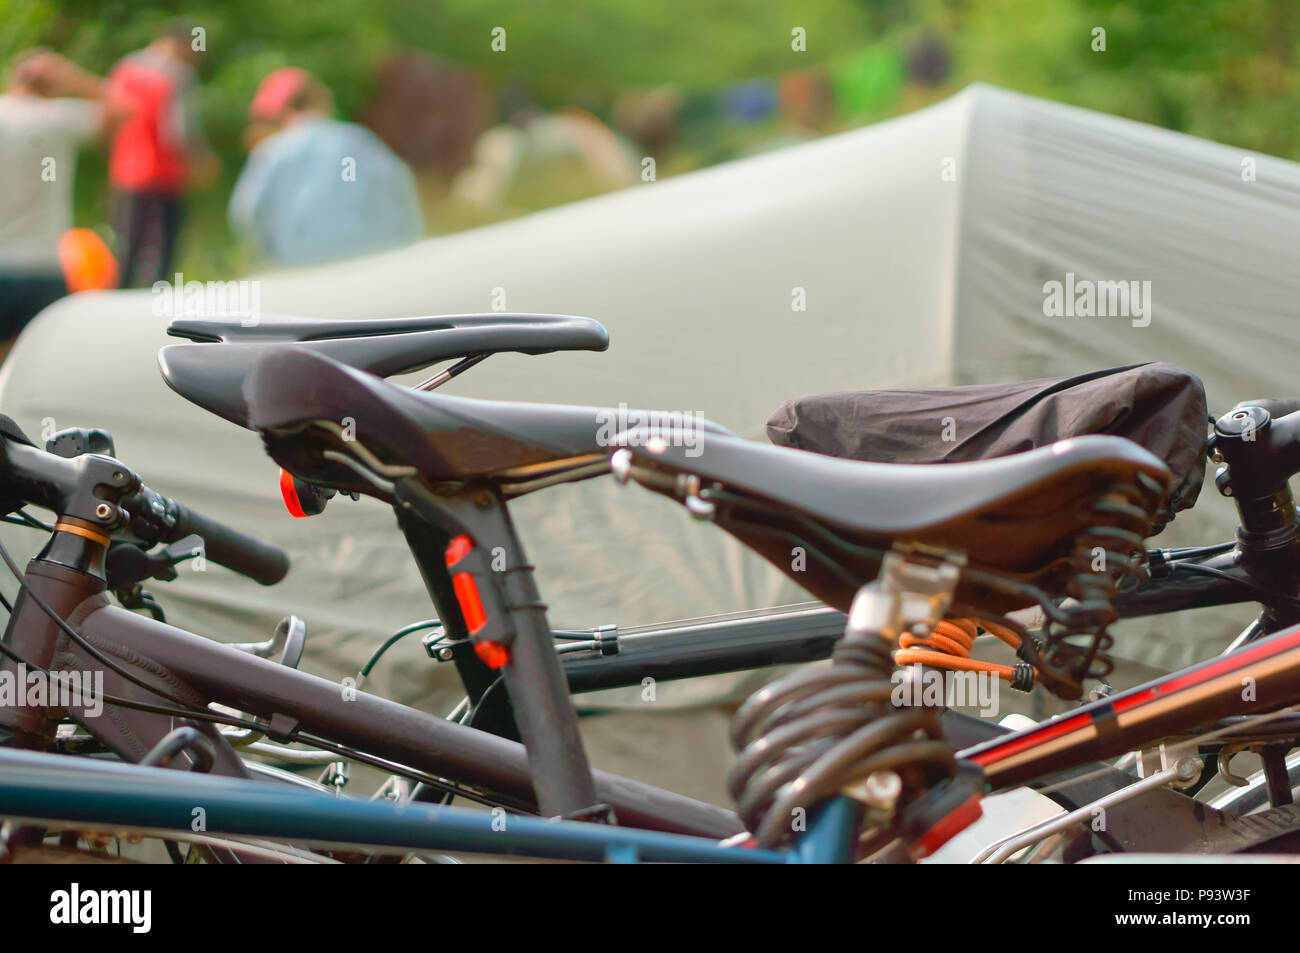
{"type": "Point", "coordinates": [913, 253]}
{"type": "Point", "coordinates": [1158, 406]}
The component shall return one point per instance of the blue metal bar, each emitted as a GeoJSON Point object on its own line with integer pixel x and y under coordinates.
{"type": "Point", "coordinates": [40, 786]}
{"type": "Point", "coordinates": [829, 838]}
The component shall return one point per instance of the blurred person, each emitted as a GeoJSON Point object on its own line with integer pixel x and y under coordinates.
{"type": "Point", "coordinates": [157, 151]}
{"type": "Point", "coordinates": [807, 100]}
{"type": "Point", "coordinates": [751, 101]}
{"type": "Point", "coordinates": [929, 61]}
{"type": "Point", "coordinates": [40, 135]}
{"type": "Point", "coordinates": [531, 137]}
{"type": "Point", "coordinates": [315, 189]}
{"type": "Point", "coordinates": [429, 111]}
{"type": "Point", "coordinates": [650, 117]}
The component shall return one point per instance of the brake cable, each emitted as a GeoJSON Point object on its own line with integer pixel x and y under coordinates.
{"type": "Point", "coordinates": [390, 642]}
{"type": "Point", "coordinates": [26, 519]}
{"type": "Point", "coordinates": [1267, 595]}
{"type": "Point", "coordinates": [198, 714]}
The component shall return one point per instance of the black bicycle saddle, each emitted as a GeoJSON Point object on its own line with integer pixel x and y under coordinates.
{"type": "Point", "coordinates": [474, 333]}
{"type": "Point", "coordinates": [291, 391]}
{"type": "Point", "coordinates": [213, 377]}
{"type": "Point", "coordinates": [1020, 516]}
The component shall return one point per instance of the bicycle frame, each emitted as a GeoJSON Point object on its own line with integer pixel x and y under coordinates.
{"type": "Point", "coordinates": [296, 702]}
{"type": "Point", "coordinates": [1257, 678]}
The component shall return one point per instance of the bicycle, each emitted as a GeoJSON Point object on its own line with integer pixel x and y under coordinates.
{"type": "Point", "coordinates": [449, 413]}
{"type": "Point", "coordinates": [484, 615]}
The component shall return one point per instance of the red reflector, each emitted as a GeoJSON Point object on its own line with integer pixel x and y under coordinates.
{"type": "Point", "coordinates": [458, 549]}
{"type": "Point", "coordinates": [290, 494]}
{"type": "Point", "coordinates": [471, 606]}
{"type": "Point", "coordinates": [493, 654]}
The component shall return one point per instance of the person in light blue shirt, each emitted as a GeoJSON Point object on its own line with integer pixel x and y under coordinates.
{"type": "Point", "coordinates": [314, 189]}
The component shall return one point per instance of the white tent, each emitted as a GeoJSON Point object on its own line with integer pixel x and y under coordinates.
{"type": "Point", "coordinates": [920, 246]}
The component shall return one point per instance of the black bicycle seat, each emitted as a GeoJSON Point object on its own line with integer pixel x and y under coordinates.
{"type": "Point", "coordinates": [1016, 515]}
{"type": "Point", "coordinates": [213, 377]}
{"type": "Point", "coordinates": [446, 438]}
{"type": "Point", "coordinates": [474, 333]}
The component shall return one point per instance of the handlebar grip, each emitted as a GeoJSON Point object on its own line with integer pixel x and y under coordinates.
{"type": "Point", "coordinates": [227, 547]}
{"type": "Point", "coordinates": [1276, 406]}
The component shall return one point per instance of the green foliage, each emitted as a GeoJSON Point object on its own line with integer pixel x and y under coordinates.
{"type": "Point", "coordinates": [1227, 70]}
{"type": "Point", "coordinates": [1223, 69]}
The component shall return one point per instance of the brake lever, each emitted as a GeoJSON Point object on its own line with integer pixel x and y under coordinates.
{"type": "Point", "coordinates": [127, 564]}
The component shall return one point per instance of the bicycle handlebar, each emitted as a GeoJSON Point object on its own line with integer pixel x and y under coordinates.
{"type": "Point", "coordinates": [159, 519]}
{"type": "Point", "coordinates": [228, 547]}
{"type": "Point", "coordinates": [75, 484]}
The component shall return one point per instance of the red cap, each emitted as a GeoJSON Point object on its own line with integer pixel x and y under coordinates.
{"type": "Point", "coordinates": [275, 92]}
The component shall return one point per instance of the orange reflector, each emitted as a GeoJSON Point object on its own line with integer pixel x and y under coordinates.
{"type": "Point", "coordinates": [87, 263]}
{"type": "Point", "coordinates": [290, 494]}
{"type": "Point", "coordinates": [458, 549]}
{"type": "Point", "coordinates": [493, 654]}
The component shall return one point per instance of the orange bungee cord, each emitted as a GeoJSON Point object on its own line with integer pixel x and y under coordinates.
{"type": "Point", "coordinates": [949, 645]}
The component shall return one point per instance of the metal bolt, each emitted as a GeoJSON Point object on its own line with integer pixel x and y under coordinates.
{"type": "Point", "coordinates": [103, 511]}
{"type": "Point", "coordinates": [1101, 690]}
{"type": "Point", "coordinates": [446, 654]}
{"type": "Point", "coordinates": [881, 790]}
{"type": "Point", "coordinates": [1187, 770]}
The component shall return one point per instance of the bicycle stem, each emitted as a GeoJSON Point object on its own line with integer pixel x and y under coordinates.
{"type": "Point", "coordinates": [1261, 454]}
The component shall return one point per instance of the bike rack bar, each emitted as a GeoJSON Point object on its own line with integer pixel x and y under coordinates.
{"type": "Point", "coordinates": [37, 786]}
{"type": "Point", "coordinates": [706, 647]}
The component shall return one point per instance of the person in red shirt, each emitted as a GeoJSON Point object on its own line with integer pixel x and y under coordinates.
{"type": "Point", "coordinates": [157, 152]}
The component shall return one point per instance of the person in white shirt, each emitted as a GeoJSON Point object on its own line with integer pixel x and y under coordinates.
{"type": "Point", "coordinates": [40, 135]}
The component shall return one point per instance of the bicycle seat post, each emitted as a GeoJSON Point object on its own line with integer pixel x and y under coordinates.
{"type": "Point", "coordinates": [498, 604]}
